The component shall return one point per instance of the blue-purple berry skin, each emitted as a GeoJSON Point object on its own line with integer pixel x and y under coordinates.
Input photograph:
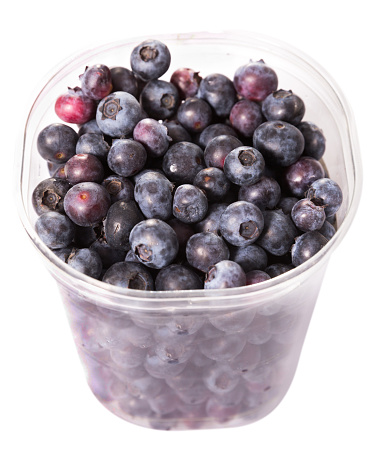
{"type": "Point", "coordinates": [256, 276]}
{"type": "Point", "coordinates": [90, 127]}
{"type": "Point", "coordinates": [177, 277]}
{"type": "Point", "coordinates": [87, 203]}
{"type": "Point", "coordinates": [241, 223]}
{"type": "Point", "coordinates": [244, 165]}
{"type": "Point", "coordinates": [278, 234]}
{"type": "Point", "coordinates": [308, 216]}
{"type": "Point", "coordinates": [153, 135]}
{"type": "Point", "coordinates": [150, 59]}
{"type": "Point", "coordinates": [250, 257]}
{"type": "Point", "coordinates": [283, 105]}
{"type": "Point", "coordinates": [315, 141]}
{"type": "Point", "coordinates": [118, 113]}
{"type": "Point", "coordinates": [219, 91]}
{"type": "Point", "coordinates": [84, 167]}
{"type": "Point", "coordinates": [218, 148]}
{"type": "Point", "coordinates": [182, 162]}
{"type": "Point", "coordinates": [86, 261]}
{"type": "Point", "coordinates": [265, 193]}
{"type": "Point", "coordinates": [211, 222]}
{"type": "Point", "coordinates": [126, 157]}
{"type": "Point", "coordinates": [195, 114]}
{"type": "Point", "coordinates": [123, 79]}
{"type": "Point", "coordinates": [327, 230]}
{"type": "Point", "coordinates": [225, 274]}
{"type": "Point", "coordinates": [306, 246]}
{"type": "Point", "coordinates": [49, 194]}
{"type": "Point", "coordinates": [159, 99]}
{"type": "Point", "coordinates": [118, 187]}
{"type": "Point", "coordinates": [276, 269]}
{"type": "Point", "coordinates": [96, 81]}
{"type": "Point", "coordinates": [190, 204]}
{"type": "Point", "coordinates": [154, 243]}
{"type": "Point", "coordinates": [177, 132]}
{"type": "Point", "coordinates": [280, 143]}
{"type": "Point", "coordinates": [205, 249]}
{"type": "Point", "coordinates": [153, 193]}
{"type": "Point", "coordinates": [57, 142]}
{"type": "Point", "coordinates": [55, 229]}
{"type": "Point", "coordinates": [92, 143]}
{"type": "Point", "coordinates": [121, 217]}
{"type": "Point", "coordinates": [130, 275]}
{"type": "Point", "coordinates": [327, 193]}
{"type": "Point", "coordinates": [298, 177]}
{"type": "Point", "coordinates": [213, 182]}
{"type": "Point", "coordinates": [245, 117]}
{"type": "Point", "coordinates": [215, 130]}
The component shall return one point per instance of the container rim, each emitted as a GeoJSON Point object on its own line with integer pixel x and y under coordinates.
{"type": "Point", "coordinates": [113, 297]}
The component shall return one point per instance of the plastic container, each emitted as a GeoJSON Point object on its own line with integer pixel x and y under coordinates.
{"type": "Point", "coordinates": [197, 359]}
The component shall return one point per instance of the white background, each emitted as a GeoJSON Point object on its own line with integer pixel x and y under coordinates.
{"type": "Point", "coordinates": [333, 403]}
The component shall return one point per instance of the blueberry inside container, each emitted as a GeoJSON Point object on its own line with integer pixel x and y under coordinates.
{"type": "Point", "coordinates": [196, 359]}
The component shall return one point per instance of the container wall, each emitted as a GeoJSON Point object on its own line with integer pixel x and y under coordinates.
{"type": "Point", "coordinates": [192, 369]}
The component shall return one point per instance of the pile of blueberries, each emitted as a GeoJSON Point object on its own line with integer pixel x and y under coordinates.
{"type": "Point", "coordinates": [197, 182]}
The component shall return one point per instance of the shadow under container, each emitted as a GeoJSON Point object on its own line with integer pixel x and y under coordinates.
{"type": "Point", "coordinates": [198, 359]}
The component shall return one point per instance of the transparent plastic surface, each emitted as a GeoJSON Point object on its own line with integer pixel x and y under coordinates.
{"type": "Point", "coordinates": [197, 359]}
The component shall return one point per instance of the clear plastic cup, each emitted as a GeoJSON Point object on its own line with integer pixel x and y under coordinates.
{"type": "Point", "coordinates": [197, 359]}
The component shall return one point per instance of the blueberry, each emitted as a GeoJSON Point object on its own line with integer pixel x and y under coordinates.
{"type": "Point", "coordinates": [255, 80]}
{"type": "Point", "coordinates": [280, 143]}
{"type": "Point", "coordinates": [90, 127]}
{"type": "Point", "coordinates": [129, 275]}
{"type": "Point", "coordinates": [86, 261]}
{"type": "Point", "coordinates": [195, 114]}
{"type": "Point", "coordinates": [150, 59]}
{"type": "Point", "coordinates": [153, 193]}
{"type": "Point", "coordinates": [278, 234]}
{"type": "Point", "coordinates": [218, 148]}
{"type": "Point", "coordinates": [177, 132]}
{"type": "Point", "coordinates": [327, 230]}
{"type": "Point", "coordinates": [118, 187]}
{"type": "Point", "coordinates": [219, 91]}
{"type": "Point", "coordinates": [213, 182]}
{"type": "Point", "coordinates": [96, 81]}
{"type": "Point", "coordinates": [182, 162]}
{"type": "Point", "coordinates": [126, 157]}
{"type": "Point", "coordinates": [276, 269]}
{"type": "Point", "coordinates": [123, 79]}
{"type": "Point", "coordinates": [245, 116]}
{"type": "Point", "coordinates": [177, 277]}
{"type": "Point", "coordinates": [153, 135]}
{"type": "Point", "coordinates": [214, 130]}
{"type": "Point", "coordinates": [183, 232]}
{"type": "Point", "coordinates": [57, 142]}
{"type": "Point", "coordinates": [265, 193]}
{"type": "Point", "coordinates": [75, 107]}
{"type": "Point", "coordinates": [210, 223]}
{"type": "Point", "coordinates": [190, 204]}
{"type": "Point", "coordinates": [206, 249]}
{"type": "Point", "coordinates": [306, 246]}
{"type": "Point", "coordinates": [55, 229]}
{"type": "Point", "coordinates": [84, 167]}
{"type": "Point", "coordinates": [154, 243]}
{"type": "Point", "coordinates": [49, 194]}
{"type": "Point", "coordinates": [308, 216]}
{"type": "Point", "coordinates": [315, 141]}
{"type": "Point", "coordinates": [118, 113]}
{"type": "Point", "coordinates": [256, 276]}
{"type": "Point", "coordinates": [249, 257]}
{"type": "Point", "coordinates": [86, 204]}
{"type": "Point", "coordinates": [121, 217]}
{"type": "Point", "coordinates": [298, 177]}
{"type": "Point", "coordinates": [241, 223]}
{"type": "Point", "coordinates": [187, 82]}
{"type": "Point", "coordinates": [283, 105]}
{"type": "Point", "coordinates": [159, 99]}
{"type": "Point", "coordinates": [107, 254]}
{"type": "Point", "coordinates": [327, 193]}
{"type": "Point", "coordinates": [286, 203]}
{"type": "Point", "coordinates": [244, 165]}
{"type": "Point", "coordinates": [92, 143]}
{"type": "Point", "coordinates": [225, 274]}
